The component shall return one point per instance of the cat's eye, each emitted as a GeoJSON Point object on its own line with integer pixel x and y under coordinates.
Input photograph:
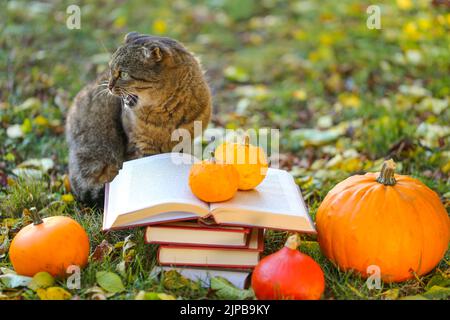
{"type": "Point", "coordinates": [124, 75]}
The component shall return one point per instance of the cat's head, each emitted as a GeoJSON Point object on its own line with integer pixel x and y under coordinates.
{"type": "Point", "coordinates": [143, 66]}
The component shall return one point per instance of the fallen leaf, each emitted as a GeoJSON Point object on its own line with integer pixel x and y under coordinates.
{"type": "Point", "coordinates": [159, 26]}
{"type": "Point", "coordinates": [5, 270]}
{"type": "Point", "coordinates": [28, 173]}
{"type": "Point", "coordinates": [103, 250]}
{"type": "Point", "coordinates": [53, 293]}
{"type": "Point", "coordinates": [11, 280]}
{"type": "Point", "coordinates": [142, 295]}
{"type": "Point", "coordinates": [44, 164]}
{"type": "Point", "coordinates": [67, 198]}
{"type": "Point", "coordinates": [415, 297]}
{"type": "Point", "coordinates": [127, 253]}
{"type": "Point", "coordinates": [26, 126]}
{"type": "Point", "coordinates": [438, 280]}
{"type": "Point", "coordinates": [437, 292]}
{"type": "Point", "coordinates": [224, 289]}
{"type": "Point", "coordinates": [98, 293]}
{"type": "Point", "coordinates": [173, 280]}
{"type": "Point", "coordinates": [4, 244]}
{"type": "Point", "coordinates": [235, 73]}
{"type": "Point", "coordinates": [41, 280]}
{"type": "Point", "coordinates": [127, 244]}
{"type": "Point", "coordinates": [14, 131]}
{"type": "Point", "coordinates": [30, 103]}
{"type": "Point", "coordinates": [110, 281]}
{"type": "Point", "coordinates": [41, 121]}
{"type": "Point", "coordinates": [313, 137]}
{"type": "Point", "coordinates": [163, 296]}
{"type": "Point", "coordinates": [391, 294]}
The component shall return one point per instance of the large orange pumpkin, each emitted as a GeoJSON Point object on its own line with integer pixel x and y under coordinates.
{"type": "Point", "coordinates": [50, 244]}
{"type": "Point", "coordinates": [213, 181]}
{"type": "Point", "coordinates": [249, 160]}
{"type": "Point", "coordinates": [391, 221]}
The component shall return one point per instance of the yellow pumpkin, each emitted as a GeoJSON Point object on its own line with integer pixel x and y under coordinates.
{"type": "Point", "coordinates": [384, 220]}
{"type": "Point", "coordinates": [250, 162]}
{"type": "Point", "coordinates": [213, 181]}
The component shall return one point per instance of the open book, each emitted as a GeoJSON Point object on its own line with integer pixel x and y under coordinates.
{"type": "Point", "coordinates": [155, 190]}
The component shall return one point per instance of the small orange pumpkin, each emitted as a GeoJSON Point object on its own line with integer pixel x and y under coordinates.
{"type": "Point", "coordinates": [213, 181]}
{"type": "Point", "coordinates": [50, 244]}
{"type": "Point", "coordinates": [393, 222]}
{"type": "Point", "coordinates": [250, 162]}
{"type": "Point", "coordinates": [288, 274]}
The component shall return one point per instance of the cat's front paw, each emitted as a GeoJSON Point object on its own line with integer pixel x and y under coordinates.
{"type": "Point", "coordinates": [108, 173]}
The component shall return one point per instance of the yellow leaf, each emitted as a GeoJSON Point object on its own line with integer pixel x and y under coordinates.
{"type": "Point", "coordinates": [164, 296]}
{"type": "Point", "coordinates": [41, 121]}
{"type": "Point", "coordinates": [300, 94]}
{"type": "Point", "coordinates": [53, 293]}
{"type": "Point", "coordinates": [159, 26]}
{"type": "Point", "coordinates": [410, 31]}
{"type": "Point", "coordinates": [67, 198]}
{"type": "Point", "coordinates": [41, 280]}
{"type": "Point", "coordinates": [351, 165]}
{"type": "Point", "coordinates": [326, 39]}
{"type": "Point", "coordinates": [120, 22]}
{"type": "Point", "coordinates": [391, 294]}
{"type": "Point", "coordinates": [26, 126]}
{"type": "Point", "coordinates": [424, 23]}
{"type": "Point", "coordinates": [10, 181]}
{"type": "Point", "coordinates": [404, 4]}
{"type": "Point", "coordinates": [350, 100]}
{"type": "Point", "coordinates": [299, 34]}
{"type": "Point", "coordinates": [446, 167]}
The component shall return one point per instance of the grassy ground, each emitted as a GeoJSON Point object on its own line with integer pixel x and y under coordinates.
{"type": "Point", "coordinates": [343, 96]}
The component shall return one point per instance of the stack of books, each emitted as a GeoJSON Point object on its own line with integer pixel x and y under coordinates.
{"type": "Point", "coordinates": [199, 239]}
{"type": "Point", "coordinates": [189, 246]}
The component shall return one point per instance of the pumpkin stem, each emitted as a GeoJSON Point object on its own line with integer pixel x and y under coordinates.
{"type": "Point", "coordinates": [247, 140]}
{"type": "Point", "coordinates": [35, 216]}
{"type": "Point", "coordinates": [293, 242]}
{"type": "Point", "coordinates": [213, 158]}
{"type": "Point", "coordinates": [386, 176]}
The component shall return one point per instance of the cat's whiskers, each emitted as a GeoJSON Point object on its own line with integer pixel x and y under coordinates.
{"type": "Point", "coordinates": [100, 93]}
{"type": "Point", "coordinates": [130, 96]}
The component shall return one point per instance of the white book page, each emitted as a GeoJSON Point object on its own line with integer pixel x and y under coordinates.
{"type": "Point", "coordinates": [277, 194]}
{"type": "Point", "coordinates": [149, 182]}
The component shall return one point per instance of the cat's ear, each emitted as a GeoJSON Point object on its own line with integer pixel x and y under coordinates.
{"type": "Point", "coordinates": [154, 52]}
{"type": "Point", "coordinates": [131, 36]}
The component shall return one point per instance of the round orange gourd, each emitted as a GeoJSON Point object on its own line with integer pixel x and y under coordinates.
{"type": "Point", "coordinates": [288, 274]}
{"type": "Point", "coordinates": [393, 222]}
{"type": "Point", "coordinates": [213, 181]}
{"type": "Point", "coordinates": [50, 244]}
{"type": "Point", "coordinates": [250, 162]}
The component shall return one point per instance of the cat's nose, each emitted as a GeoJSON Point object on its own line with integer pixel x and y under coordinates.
{"type": "Point", "coordinates": [111, 84]}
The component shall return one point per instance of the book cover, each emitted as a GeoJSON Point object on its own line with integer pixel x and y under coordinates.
{"type": "Point", "coordinates": [196, 234]}
{"type": "Point", "coordinates": [171, 255]}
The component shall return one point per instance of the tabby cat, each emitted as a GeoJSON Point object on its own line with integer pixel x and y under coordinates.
{"type": "Point", "coordinates": [153, 86]}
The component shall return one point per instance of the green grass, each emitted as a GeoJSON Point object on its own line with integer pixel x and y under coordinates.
{"type": "Point", "coordinates": [281, 64]}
